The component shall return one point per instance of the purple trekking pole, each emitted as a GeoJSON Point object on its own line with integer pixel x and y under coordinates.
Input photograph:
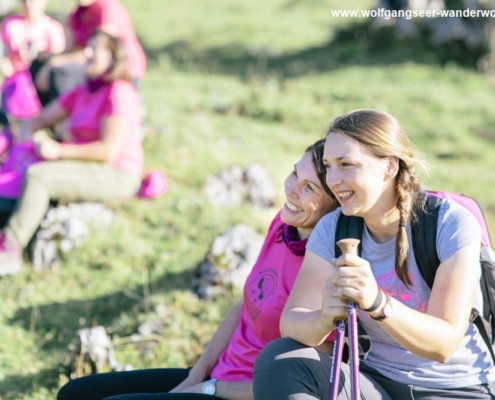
{"type": "Point", "coordinates": [347, 246]}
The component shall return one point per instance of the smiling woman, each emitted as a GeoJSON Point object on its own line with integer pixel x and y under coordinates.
{"type": "Point", "coordinates": [224, 370]}
{"type": "Point", "coordinates": [423, 345]}
{"type": "Point", "coordinates": [306, 196]}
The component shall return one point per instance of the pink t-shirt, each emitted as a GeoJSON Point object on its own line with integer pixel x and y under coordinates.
{"type": "Point", "coordinates": [86, 113]}
{"type": "Point", "coordinates": [17, 33]}
{"type": "Point", "coordinates": [265, 294]}
{"type": "Point", "coordinates": [108, 13]}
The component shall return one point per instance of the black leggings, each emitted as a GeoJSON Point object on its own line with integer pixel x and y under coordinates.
{"type": "Point", "coordinates": [302, 373]}
{"type": "Point", "coordinates": [146, 384]}
{"type": "Point", "coordinates": [6, 208]}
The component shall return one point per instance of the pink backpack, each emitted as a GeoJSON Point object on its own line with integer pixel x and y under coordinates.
{"type": "Point", "coordinates": [19, 97]}
{"type": "Point", "coordinates": [20, 157]}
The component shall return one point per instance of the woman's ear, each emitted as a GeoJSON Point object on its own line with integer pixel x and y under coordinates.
{"type": "Point", "coordinates": [392, 167]}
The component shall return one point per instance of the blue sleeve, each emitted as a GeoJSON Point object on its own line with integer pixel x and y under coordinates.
{"type": "Point", "coordinates": [457, 228]}
{"type": "Point", "coordinates": [322, 239]}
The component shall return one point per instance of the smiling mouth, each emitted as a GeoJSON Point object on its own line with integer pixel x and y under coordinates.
{"type": "Point", "coordinates": [292, 207]}
{"type": "Point", "coordinates": [344, 195]}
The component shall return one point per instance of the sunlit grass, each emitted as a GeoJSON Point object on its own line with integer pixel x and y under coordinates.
{"type": "Point", "coordinates": [230, 83]}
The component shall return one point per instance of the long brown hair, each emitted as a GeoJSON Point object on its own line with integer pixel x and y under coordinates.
{"type": "Point", "coordinates": [381, 134]}
{"type": "Point", "coordinates": [316, 150]}
{"type": "Point", "coordinates": [119, 69]}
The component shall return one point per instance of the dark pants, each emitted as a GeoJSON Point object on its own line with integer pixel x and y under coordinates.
{"type": "Point", "coordinates": [6, 208]}
{"type": "Point", "coordinates": [146, 384]}
{"type": "Point", "coordinates": [288, 370]}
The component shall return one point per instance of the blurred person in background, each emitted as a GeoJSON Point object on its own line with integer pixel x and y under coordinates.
{"type": "Point", "coordinates": [66, 70]}
{"type": "Point", "coordinates": [101, 157]}
{"type": "Point", "coordinates": [26, 37]}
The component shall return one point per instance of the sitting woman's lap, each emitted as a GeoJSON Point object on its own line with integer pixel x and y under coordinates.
{"type": "Point", "coordinates": [302, 373]}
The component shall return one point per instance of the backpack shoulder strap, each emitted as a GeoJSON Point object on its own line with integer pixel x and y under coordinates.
{"type": "Point", "coordinates": [478, 321]}
{"type": "Point", "coordinates": [352, 227]}
{"type": "Point", "coordinates": [348, 227]}
{"type": "Point", "coordinates": [424, 235]}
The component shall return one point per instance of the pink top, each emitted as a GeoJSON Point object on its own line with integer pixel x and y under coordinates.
{"type": "Point", "coordinates": [108, 13]}
{"type": "Point", "coordinates": [18, 33]}
{"type": "Point", "coordinates": [86, 113]}
{"type": "Point", "coordinates": [265, 294]}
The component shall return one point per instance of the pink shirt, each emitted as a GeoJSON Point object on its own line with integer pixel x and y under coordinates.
{"type": "Point", "coordinates": [17, 33]}
{"type": "Point", "coordinates": [87, 111]}
{"type": "Point", "coordinates": [265, 294]}
{"type": "Point", "coordinates": [108, 13]}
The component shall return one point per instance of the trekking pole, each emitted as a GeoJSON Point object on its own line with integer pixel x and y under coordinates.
{"type": "Point", "coordinates": [338, 347]}
{"type": "Point", "coordinates": [347, 246]}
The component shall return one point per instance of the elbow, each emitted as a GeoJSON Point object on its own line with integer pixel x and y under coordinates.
{"type": "Point", "coordinates": [287, 332]}
{"type": "Point", "coordinates": [442, 358]}
{"type": "Point", "coordinates": [447, 348]}
{"type": "Point", "coordinates": [301, 339]}
{"type": "Point", "coordinates": [441, 355]}
{"type": "Point", "coordinates": [445, 354]}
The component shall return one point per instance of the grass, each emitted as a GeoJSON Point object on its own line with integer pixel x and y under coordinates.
{"type": "Point", "coordinates": [233, 83]}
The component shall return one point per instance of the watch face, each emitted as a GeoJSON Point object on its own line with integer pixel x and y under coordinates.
{"type": "Point", "coordinates": [208, 388]}
{"type": "Point", "coordinates": [387, 311]}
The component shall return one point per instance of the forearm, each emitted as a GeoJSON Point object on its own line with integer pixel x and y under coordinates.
{"type": "Point", "coordinates": [73, 57]}
{"type": "Point", "coordinates": [305, 326]}
{"type": "Point", "coordinates": [235, 390]}
{"type": "Point", "coordinates": [94, 151]}
{"type": "Point", "coordinates": [6, 67]}
{"type": "Point", "coordinates": [42, 80]}
{"type": "Point", "coordinates": [422, 334]}
{"type": "Point", "coordinates": [218, 342]}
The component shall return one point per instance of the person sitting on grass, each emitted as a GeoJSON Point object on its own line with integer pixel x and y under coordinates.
{"type": "Point", "coordinates": [423, 345]}
{"type": "Point", "coordinates": [101, 158]}
{"type": "Point", "coordinates": [224, 370]}
{"type": "Point", "coordinates": [25, 37]}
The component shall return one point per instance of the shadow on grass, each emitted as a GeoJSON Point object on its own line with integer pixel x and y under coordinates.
{"type": "Point", "coordinates": [14, 387]}
{"type": "Point", "coordinates": [56, 324]}
{"type": "Point", "coordinates": [360, 44]}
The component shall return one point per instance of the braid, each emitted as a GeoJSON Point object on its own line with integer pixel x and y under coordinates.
{"type": "Point", "coordinates": [407, 186]}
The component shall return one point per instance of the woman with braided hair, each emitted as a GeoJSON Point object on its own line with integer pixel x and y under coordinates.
{"type": "Point", "coordinates": [422, 343]}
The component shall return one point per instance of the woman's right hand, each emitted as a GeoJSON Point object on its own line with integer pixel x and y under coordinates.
{"type": "Point", "coordinates": [192, 379]}
{"type": "Point", "coordinates": [333, 307]}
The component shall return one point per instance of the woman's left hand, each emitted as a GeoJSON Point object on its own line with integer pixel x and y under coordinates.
{"type": "Point", "coordinates": [47, 148]}
{"type": "Point", "coordinates": [355, 280]}
{"type": "Point", "coordinates": [192, 389]}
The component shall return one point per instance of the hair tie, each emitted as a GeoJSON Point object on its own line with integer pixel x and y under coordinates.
{"type": "Point", "coordinates": [402, 225]}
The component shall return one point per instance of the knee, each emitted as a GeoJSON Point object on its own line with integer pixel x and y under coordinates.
{"type": "Point", "coordinates": [276, 350]}
{"type": "Point", "coordinates": [75, 389]}
{"type": "Point", "coordinates": [34, 173]}
{"type": "Point", "coordinates": [290, 364]}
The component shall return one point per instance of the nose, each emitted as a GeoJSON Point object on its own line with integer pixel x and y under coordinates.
{"type": "Point", "coordinates": [332, 178]}
{"type": "Point", "coordinates": [290, 186]}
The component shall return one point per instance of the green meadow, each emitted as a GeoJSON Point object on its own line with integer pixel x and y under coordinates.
{"type": "Point", "coordinates": [241, 83]}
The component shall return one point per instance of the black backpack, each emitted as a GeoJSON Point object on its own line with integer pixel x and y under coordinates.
{"type": "Point", "coordinates": [424, 233]}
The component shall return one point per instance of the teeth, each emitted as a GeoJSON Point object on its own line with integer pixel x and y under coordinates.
{"type": "Point", "coordinates": [292, 207]}
{"type": "Point", "coordinates": [344, 195]}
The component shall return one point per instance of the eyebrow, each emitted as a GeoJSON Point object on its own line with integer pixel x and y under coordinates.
{"type": "Point", "coordinates": [308, 181]}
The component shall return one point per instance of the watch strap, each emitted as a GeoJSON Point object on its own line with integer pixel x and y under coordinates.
{"type": "Point", "coordinates": [383, 315]}
{"type": "Point", "coordinates": [377, 303]}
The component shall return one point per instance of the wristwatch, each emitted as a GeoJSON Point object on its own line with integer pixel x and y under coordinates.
{"type": "Point", "coordinates": [386, 311]}
{"type": "Point", "coordinates": [209, 387]}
